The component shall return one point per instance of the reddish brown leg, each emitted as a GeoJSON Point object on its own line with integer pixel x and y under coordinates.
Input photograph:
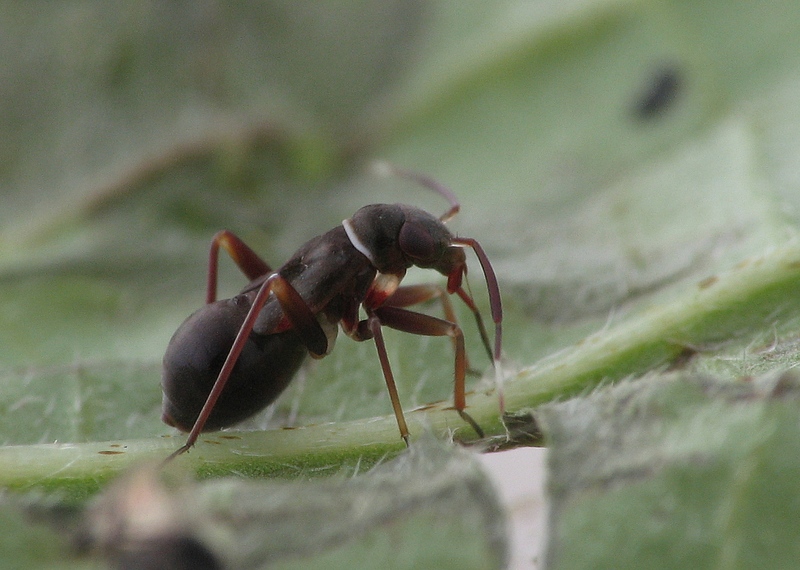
{"type": "Point", "coordinates": [302, 320]}
{"type": "Point", "coordinates": [421, 324]}
{"type": "Point", "coordinates": [409, 295]}
{"type": "Point", "coordinates": [245, 258]}
{"type": "Point", "coordinates": [374, 324]}
{"type": "Point", "coordinates": [495, 303]}
{"type": "Point", "coordinates": [413, 294]}
{"type": "Point", "coordinates": [469, 302]}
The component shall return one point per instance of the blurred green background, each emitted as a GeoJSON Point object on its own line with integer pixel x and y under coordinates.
{"type": "Point", "coordinates": [609, 155]}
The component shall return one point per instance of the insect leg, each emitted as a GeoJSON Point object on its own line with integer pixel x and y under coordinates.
{"type": "Point", "coordinates": [406, 296]}
{"type": "Point", "coordinates": [245, 258]}
{"type": "Point", "coordinates": [495, 304]}
{"type": "Point", "coordinates": [299, 315]}
{"type": "Point", "coordinates": [421, 324]}
{"type": "Point", "coordinates": [374, 325]}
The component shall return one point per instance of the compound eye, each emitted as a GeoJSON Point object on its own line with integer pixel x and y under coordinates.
{"type": "Point", "coordinates": [416, 241]}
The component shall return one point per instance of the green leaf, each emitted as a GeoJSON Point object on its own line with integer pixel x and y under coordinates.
{"type": "Point", "coordinates": [686, 472]}
{"type": "Point", "coordinates": [31, 542]}
{"type": "Point", "coordinates": [431, 507]}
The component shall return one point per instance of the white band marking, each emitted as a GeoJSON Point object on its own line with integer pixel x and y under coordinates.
{"type": "Point", "coordinates": [357, 243]}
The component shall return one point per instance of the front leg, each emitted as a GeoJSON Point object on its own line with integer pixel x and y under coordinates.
{"type": "Point", "coordinates": [373, 325]}
{"type": "Point", "coordinates": [421, 324]}
{"type": "Point", "coordinates": [409, 295]}
{"type": "Point", "coordinates": [415, 323]}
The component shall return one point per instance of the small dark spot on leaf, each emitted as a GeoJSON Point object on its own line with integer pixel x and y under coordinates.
{"type": "Point", "coordinates": [660, 92]}
{"type": "Point", "coordinates": [229, 437]}
{"type": "Point", "coordinates": [683, 358]}
{"type": "Point", "coordinates": [708, 282]}
{"type": "Point", "coordinates": [110, 452]}
{"type": "Point", "coordinates": [212, 441]}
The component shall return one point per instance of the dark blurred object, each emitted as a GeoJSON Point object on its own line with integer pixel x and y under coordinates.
{"type": "Point", "coordinates": [139, 524]}
{"type": "Point", "coordinates": [663, 87]}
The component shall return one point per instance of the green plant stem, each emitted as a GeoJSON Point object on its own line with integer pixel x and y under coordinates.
{"type": "Point", "coordinates": [754, 295]}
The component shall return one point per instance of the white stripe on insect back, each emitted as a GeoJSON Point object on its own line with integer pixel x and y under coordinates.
{"type": "Point", "coordinates": [354, 239]}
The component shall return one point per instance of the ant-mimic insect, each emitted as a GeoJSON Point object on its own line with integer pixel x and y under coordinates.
{"type": "Point", "coordinates": [233, 357]}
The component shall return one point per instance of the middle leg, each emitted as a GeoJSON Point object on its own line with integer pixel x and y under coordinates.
{"type": "Point", "coordinates": [421, 324]}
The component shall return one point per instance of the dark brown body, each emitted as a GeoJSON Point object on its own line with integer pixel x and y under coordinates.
{"type": "Point", "coordinates": [328, 273]}
{"type": "Point", "coordinates": [274, 352]}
